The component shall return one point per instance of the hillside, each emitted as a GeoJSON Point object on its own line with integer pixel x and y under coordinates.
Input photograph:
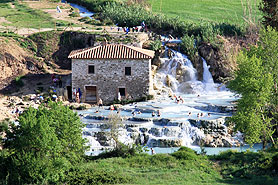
{"type": "Point", "coordinates": [226, 11]}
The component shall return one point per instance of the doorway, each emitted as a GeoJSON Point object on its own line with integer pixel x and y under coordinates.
{"type": "Point", "coordinates": [91, 94]}
{"type": "Point", "coordinates": [122, 92]}
{"type": "Point", "coordinates": [69, 90]}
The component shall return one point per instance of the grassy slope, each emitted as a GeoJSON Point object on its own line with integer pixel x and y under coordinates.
{"type": "Point", "coordinates": [181, 167]}
{"type": "Point", "coordinates": [166, 169]}
{"type": "Point", "coordinates": [23, 16]}
{"type": "Point", "coordinates": [196, 10]}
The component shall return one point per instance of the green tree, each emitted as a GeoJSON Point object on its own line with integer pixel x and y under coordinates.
{"type": "Point", "coordinates": [256, 81]}
{"type": "Point", "coordinates": [114, 123]}
{"type": "Point", "coordinates": [270, 13]}
{"type": "Point", "coordinates": [44, 145]}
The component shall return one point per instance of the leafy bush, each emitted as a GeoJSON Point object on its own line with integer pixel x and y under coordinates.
{"type": "Point", "coordinates": [74, 14]}
{"type": "Point", "coordinates": [246, 164]}
{"type": "Point", "coordinates": [44, 146]}
{"type": "Point", "coordinates": [155, 45]}
{"type": "Point", "coordinates": [188, 45]}
{"type": "Point", "coordinates": [133, 15]}
{"type": "Point", "coordinates": [121, 150]}
{"type": "Point", "coordinates": [185, 153]}
{"type": "Point", "coordinates": [81, 175]}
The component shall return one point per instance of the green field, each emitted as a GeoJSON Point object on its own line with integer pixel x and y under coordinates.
{"type": "Point", "coordinates": [228, 11]}
{"type": "Point", "coordinates": [21, 16]}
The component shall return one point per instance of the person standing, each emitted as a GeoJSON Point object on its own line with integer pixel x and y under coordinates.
{"type": "Point", "coordinates": [77, 97]}
{"type": "Point", "coordinates": [119, 96]}
{"type": "Point", "coordinates": [100, 104]}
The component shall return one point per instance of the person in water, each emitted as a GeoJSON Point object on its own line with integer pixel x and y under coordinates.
{"type": "Point", "coordinates": [153, 114]}
{"type": "Point", "coordinates": [100, 104]}
{"type": "Point", "coordinates": [152, 150]}
{"type": "Point", "coordinates": [158, 113]}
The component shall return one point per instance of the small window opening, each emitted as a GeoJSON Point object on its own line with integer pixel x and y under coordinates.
{"type": "Point", "coordinates": [91, 69]}
{"type": "Point", "coordinates": [128, 71]}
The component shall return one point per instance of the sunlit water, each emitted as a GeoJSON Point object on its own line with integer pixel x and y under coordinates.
{"type": "Point", "coordinates": [82, 10]}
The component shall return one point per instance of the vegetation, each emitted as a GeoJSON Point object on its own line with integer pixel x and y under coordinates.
{"type": "Point", "coordinates": [93, 5]}
{"type": "Point", "coordinates": [247, 167]}
{"type": "Point", "coordinates": [256, 81]}
{"type": "Point", "coordinates": [43, 147]}
{"type": "Point", "coordinates": [23, 41]}
{"type": "Point", "coordinates": [181, 167]}
{"type": "Point", "coordinates": [218, 11]}
{"type": "Point", "coordinates": [21, 16]}
{"type": "Point", "coordinates": [270, 13]}
{"type": "Point", "coordinates": [46, 147]}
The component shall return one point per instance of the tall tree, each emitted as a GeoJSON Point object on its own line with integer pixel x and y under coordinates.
{"type": "Point", "coordinates": [256, 81]}
{"type": "Point", "coordinates": [270, 13]}
{"type": "Point", "coordinates": [44, 145]}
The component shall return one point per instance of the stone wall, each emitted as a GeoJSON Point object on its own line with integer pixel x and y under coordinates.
{"type": "Point", "coordinates": [110, 75]}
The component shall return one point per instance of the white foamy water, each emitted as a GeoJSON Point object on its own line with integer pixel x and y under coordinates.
{"type": "Point", "coordinates": [176, 76]}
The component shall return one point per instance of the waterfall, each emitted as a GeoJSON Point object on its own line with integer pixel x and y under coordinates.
{"type": "Point", "coordinates": [178, 75]}
{"type": "Point", "coordinates": [208, 82]}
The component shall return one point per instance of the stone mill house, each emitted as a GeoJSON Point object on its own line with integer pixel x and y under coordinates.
{"type": "Point", "coordinates": [112, 70]}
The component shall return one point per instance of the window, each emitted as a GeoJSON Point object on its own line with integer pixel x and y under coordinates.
{"type": "Point", "coordinates": [91, 69]}
{"type": "Point", "coordinates": [128, 71]}
{"type": "Point", "coordinates": [122, 91]}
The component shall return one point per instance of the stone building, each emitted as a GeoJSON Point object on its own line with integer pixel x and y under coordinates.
{"type": "Point", "coordinates": [110, 70]}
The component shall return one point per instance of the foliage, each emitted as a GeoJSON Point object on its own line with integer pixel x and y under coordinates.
{"type": "Point", "coordinates": [185, 154]}
{"type": "Point", "coordinates": [133, 15]}
{"type": "Point", "coordinates": [188, 45]}
{"type": "Point", "coordinates": [209, 11]}
{"type": "Point", "coordinates": [92, 5]}
{"type": "Point", "coordinates": [23, 16]}
{"type": "Point", "coordinates": [45, 144]}
{"type": "Point", "coordinates": [149, 169]}
{"type": "Point", "coordinates": [155, 45]}
{"type": "Point", "coordinates": [256, 81]}
{"type": "Point", "coordinates": [121, 150]}
{"type": "Point", "coordinates": [23, 41]}
{"type": "Point", "coordinates": [269, 9]}
{"type": "Point", "coordinates": [251, 165]}
{"type": "Point", "coordinates": [114, 124]}
{"type": "Point", "coordinates": [83, 175]}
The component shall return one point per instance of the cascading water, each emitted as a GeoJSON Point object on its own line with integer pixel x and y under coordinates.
{"type": "Point", "coordinates": [178, 75]}
{"type": "Point", "coordinates": [180, 124]}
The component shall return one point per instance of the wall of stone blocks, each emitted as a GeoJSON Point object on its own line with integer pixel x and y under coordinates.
{"type": "Point", "coordinates": [110, 75]}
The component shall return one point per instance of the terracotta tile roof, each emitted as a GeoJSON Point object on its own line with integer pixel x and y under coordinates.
{"type": "Point", "coordinates": [112, 51]}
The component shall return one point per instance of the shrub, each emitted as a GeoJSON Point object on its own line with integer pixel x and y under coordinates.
{"type": "Point", "coordinates": [81, 175]}
{"type": "Point", "coordinates": [121, 150]}
{"type": "Point", "coordinates": [185, 153]}
{"type": "Point", "coordinates": [44, 146]}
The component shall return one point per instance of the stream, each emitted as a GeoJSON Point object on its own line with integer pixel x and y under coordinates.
{"type": "Point", "coordinates": [82, 10]}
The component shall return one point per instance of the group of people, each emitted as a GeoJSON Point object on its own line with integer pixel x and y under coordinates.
{"type": "Point", "coordinates": [178, 99]}
{"type": "Point", "coordinates": [199, 115]}
{"type": "Point", "coordinates": [142, 28]}
{"type": "Point", "coordinates": [57, 81]}
{"type": "Point", "coordinates": [77, 95]}
{"type": "Point", "coordinates": [158, 113]}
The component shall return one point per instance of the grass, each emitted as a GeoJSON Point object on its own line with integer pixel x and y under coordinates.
{"type": "Point", "coordinates": [182, 167]}
{"type": "Point", "coordinates": [22, 16]}
{"type": "Point", "coordinates": [203, 10]}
